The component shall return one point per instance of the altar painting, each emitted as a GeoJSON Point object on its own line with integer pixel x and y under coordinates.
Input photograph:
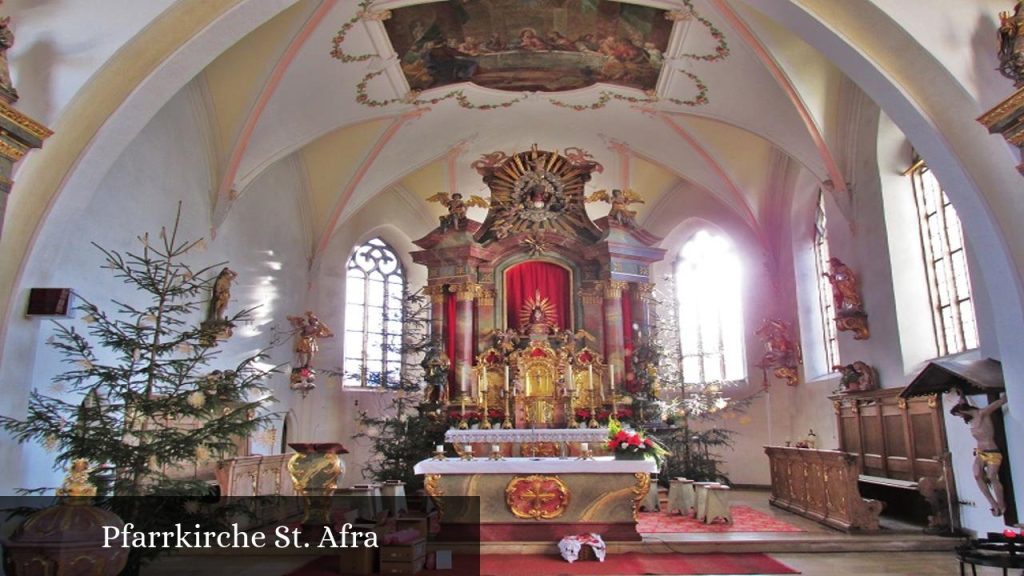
{"type": "Point", "coordinates": [529, 45]}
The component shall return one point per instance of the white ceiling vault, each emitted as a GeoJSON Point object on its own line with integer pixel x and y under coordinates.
{"type": "Point", "coordinates": [352, 123]}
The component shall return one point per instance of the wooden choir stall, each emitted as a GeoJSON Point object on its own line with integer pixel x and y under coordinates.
{"type": "Point", "coordinates": [534, 313]}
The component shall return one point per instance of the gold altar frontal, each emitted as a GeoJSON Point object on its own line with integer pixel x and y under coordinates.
{"type": "Point", "coordinates": [539, 499]}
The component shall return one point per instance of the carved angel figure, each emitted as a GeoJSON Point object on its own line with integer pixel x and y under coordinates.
{"type": "Point", "coordinates": [308, 329]}
{"type": "Point", "coordinates": [221, 295]}
{"type": "Point", "coordinates": [844, 286]}
{"type": "Point", "coordinates": [857, 377]}
{"type": "Point", "coordinates": [456, 217]}
{"type": "Point", "coordinates": [620, 201]}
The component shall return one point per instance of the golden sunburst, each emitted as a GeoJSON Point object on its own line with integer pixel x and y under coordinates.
{"type": "Point", "coordinates": [537, 309]}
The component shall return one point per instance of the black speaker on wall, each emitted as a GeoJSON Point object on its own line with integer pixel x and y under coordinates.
{"type": "Point", "coordinates": [49, 302]}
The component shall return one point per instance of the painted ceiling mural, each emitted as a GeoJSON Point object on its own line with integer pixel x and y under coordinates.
{"type": "Point", "coordinates": [530, 45]}
{"type": "Point", "coordinates": [527, 47]}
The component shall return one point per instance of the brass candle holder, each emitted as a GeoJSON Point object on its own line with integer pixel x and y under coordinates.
{"type": "Point", "coordinates": [438, 455]}
{"type": "Point", "coordinates": [570, 414]}
{"type": "Point", "coordinates": [495, 454]}
{"type": "Point", "coordinates": [593, 413]}
{"type": "Point", "coordinates": [485, 422]}
{"type": "Point", "coordinates": [467, 452]}
{"type": "Point", "coordinates": [462, 421]}
{"type": "Point", "coordinates": [506, 424]}
{"type": "Point", "coordinates": [586, 454]}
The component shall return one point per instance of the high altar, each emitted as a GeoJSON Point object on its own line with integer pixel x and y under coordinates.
{"type": "Point", "coordinates": [534, 314]}
{"type": "Point", "coordinates": [537, 308]}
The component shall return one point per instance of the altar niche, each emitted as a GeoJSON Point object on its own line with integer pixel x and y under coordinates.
{"type": "Point", "coordinates": [538, 307]}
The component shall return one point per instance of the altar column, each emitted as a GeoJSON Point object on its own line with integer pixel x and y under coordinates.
{"type": "Point", "coordinates": [593, 315]}
{"type": "Point", "coordinates": [614, 344]}
{"type": "Point", "coordinates": [436, 294]}
{"type": "Point", "coordinates": [485, 317]}
{"type": "Point", "coordinates": [465, 294]}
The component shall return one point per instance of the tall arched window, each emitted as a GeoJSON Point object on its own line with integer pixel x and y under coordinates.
{"type": "Point", "coordinates": [708, 290]}
{"type": "Point", "coordinates": [949, 284]}
{"type": "Point", "coordinates": [828, 311]}
{"type": "Point", "coordinates": [374, 290]}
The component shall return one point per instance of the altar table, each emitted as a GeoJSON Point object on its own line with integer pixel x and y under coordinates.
{"type": "Point", "coordinates": [539, 499]}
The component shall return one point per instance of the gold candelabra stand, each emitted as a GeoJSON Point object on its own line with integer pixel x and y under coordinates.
{"type": "Point", "coordinates": [485, 422]}
{"type": "Point", "coordinates": [507, 422]}
{"type": "Point", "coordinates": [593, 412]}
{"type": "Point", "coordinates": [570, 414]}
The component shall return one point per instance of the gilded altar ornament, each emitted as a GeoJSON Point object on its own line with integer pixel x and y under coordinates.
{"type": "Point", "coordinates": [1011, 44]}
{"type": "Point", "coordinates": [9, 94]}
{"type": "Point", "coordinates": [620, 201]}
{"type": "Point", "coordinates": [537, 497]}
{"type": "Point", "coordinates": [456, 219]}
{"type": "Point", "coordinates": [316, 469]}
{"type": "Point", "coordinates": [848, 305]}
{"type": "Point", "coordinates": [781, 354]}
{"type": "Point", "coordinates": [308, 330]}
{"type": "Point", "coordinates": [435, 366]}
{"type": "Point", "coordinates": [536, 315]}
{"type": "Point", "coordinates": [643, 484]}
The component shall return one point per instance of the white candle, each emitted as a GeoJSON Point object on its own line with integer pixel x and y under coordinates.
{"type": "Point", "coordinates": [467, 448]}
{"type": "Point", "coordinates": [611, 377]}
{"type": "Point", "coordinates": [571, 385]}
{"type": "Point", "coordinates": [440, 448]}
{"type": "Point", "coordinates": [483, 385]}
{"type": "Point", "coordinates": [584, 446]}
{"type": "Point", "coordinates": [495, 448]}
{"type": "Point", "coordinates": [506, 378]}
{"type": "Point", "coordinates": [590, 376]}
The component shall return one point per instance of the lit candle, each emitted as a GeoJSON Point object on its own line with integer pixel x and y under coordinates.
{"type": "Point", "coordinates": [483, 385]}
{"type": "Point", "coordinates": [506, 378]}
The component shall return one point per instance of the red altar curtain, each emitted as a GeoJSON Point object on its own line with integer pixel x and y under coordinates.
{"type": "Point", "coordinates": [522, 282]}
{"type": "Point", "coordinates": [627, 331]}
{"type": "Point", "coordinates": [449, 337]}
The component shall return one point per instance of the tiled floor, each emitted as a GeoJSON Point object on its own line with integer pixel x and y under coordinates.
{"type": "Point", "coordinates": [840, 554]}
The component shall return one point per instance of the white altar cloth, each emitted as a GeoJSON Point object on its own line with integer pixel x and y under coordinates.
{"type": "Point", "coordinates": [524, 435]}
{"type": "Point", "coordinates": [599, 465]}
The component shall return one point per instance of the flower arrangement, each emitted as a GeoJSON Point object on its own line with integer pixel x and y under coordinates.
{"type": "Point", "coordinates": [495, 416]}
{"type": "Point", "coordinates": [630, 444]}
{"type": "Point", "coordinates": [456, 416]}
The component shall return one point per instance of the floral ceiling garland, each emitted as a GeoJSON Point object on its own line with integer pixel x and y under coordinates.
{"type": "Point", "coordinates": [459, 95]}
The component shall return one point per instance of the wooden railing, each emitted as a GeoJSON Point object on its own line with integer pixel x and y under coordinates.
{"type": "Point", "coordinates": [821, 485]}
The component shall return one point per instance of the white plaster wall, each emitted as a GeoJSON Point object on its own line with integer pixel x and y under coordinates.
{"type": "Point", "coordinates": [140, 194]}
{"type": "Point", "coordinates": [60, 44]}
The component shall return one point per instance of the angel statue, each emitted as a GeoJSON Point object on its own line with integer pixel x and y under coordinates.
{"type": "Point", "coordinates": [308, 330]}
{"type": "Point", "coordinates": [456, 217]}
{"type": "Point", "coordinates": [620, 201]}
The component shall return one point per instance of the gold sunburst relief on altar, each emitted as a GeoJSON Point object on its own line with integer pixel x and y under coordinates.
{"type": "Point", "coordinates": [537, 313]}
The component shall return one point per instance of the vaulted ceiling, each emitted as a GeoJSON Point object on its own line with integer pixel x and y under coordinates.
{"type": "Point", "coordinates": [738, 106]}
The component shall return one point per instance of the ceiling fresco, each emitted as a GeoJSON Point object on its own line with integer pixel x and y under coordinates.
{"type": "Point", "coordinates": [530, 45]}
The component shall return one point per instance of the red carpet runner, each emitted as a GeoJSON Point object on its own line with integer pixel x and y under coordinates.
{"type": "Point", "coordinates": [617, 564]}
{"type": "Point", "coordinates": [744, 519]}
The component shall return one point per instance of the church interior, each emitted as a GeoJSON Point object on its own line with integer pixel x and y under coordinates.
{"type": "Point", "coordinates": [686, 286]}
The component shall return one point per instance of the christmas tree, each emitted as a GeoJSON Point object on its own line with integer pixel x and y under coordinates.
{"type": "Point", "coordinates": [138, 400]}
{"type": "Point", "coordinates": [410, 425]}
{"type": "Point", "coordinates": [692, 413]}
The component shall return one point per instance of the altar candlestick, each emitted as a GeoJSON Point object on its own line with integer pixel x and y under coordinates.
{"type": "Point", "coordinates": [611, 377]}
{"type": "Point", "coordinates": [483, 385]}
{"type": "Point", "coordinates": [506, 378]}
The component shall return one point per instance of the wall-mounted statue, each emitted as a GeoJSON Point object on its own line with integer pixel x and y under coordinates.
{"type": "Point", "coordinates": [781, 354]}
{"type": "Point", "coordinates": [6, 42]}
{"type": "Point", "coordinates": [849, 307]}
{"type": "Point", "coordinates": [857, 377]}
{"type": "Point", "coordinates": [308, 329]}
{"type": "Point", "coordinates": [457, 207]}
{"type": "Point", "coordinates": [987, 457]}
{"type": "Point", "coordinates": [1011, 44]}
{"type": "Point", "coordinates": [620, 201]}
{"type": "Point", "coordinates": [217, 326]}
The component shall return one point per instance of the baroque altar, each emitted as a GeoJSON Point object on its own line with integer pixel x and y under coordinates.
{"type": "Point", "coordinates": [536, 310]}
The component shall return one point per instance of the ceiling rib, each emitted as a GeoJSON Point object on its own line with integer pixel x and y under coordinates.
{"type": "Point", "coordinates": [787, 86]}
{"type": "Point", "coordinates": [224, 191]}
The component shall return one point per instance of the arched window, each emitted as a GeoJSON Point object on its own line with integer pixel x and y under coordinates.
{"type": "Point", "coordinates": [708, 291]}
{"type": "Point", "coordinates": [942, 243]}
{"type": "Point", "coordinates": [374, 288]}
{"type": "Point", "coordinates": [828, 312]}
